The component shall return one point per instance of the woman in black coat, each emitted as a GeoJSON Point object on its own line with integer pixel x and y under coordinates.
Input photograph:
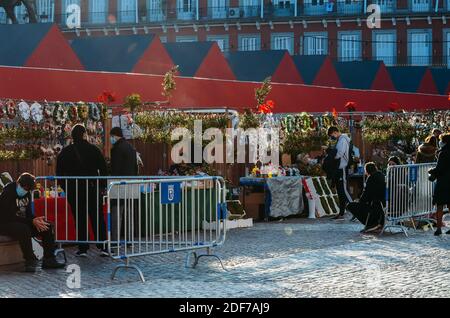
{"type": "Point", "coordinates": [441, 174]}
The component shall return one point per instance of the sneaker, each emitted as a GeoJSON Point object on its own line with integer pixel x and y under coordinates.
{"type": "Point", "coordinates": [337, 217]}
{"type": "Point", "coordinates": [363, 230]}
{"type": "Point", "coordinates": [373, 229]}
{"type": "Point", "coordinates": [448, 232]}
{"type": "Point", "coordinates": [52, 263]}
{"type": "Point", "coordinates": [81, 254]}
{"type": "Point", "coordinates": [31, 266]}
{"type": "Point", "coordinates": [438, 232]}
{"type": "Point", "coordinates": [104, 252]}
{"type": "Point", "coordinates": [353, 219]}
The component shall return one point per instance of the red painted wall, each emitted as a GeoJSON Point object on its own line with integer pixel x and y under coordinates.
{"type": "Point", "coordinates": [66, 85]}
{"type": "Point", "coordinates": [382, 80]}
{"type": "Point", "coordinates": [54, 52]}
{"type": "Point", "coordinates": [155, 59]}
{"type": "Point", "coordinates": [327, 75]}
{"type": "Point", "coordinates": [427, 84]}
{"type": "Point", "coordinates": [287, 72]}
{"type": "Point", "coordinates": [215, 65]}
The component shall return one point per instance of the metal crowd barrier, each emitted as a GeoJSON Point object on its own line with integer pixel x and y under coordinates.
{"type": "Point", "coordinates": [165, 215]}
{"type": "Point", "coordinates": [409, 195]}
{"type": "Point", "coordinates": [135, 216]}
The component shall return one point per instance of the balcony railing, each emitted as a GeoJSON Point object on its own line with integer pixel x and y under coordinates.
{"type": "Point", "coordinates": [184, 14]}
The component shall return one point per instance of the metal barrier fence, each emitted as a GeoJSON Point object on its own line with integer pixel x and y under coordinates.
{"type": "Point", "coordinates": [165, 215]}
{"type": "Point", "coordinates": [115, 213]}
{"type": "Point", "coordinates": [409, 195]}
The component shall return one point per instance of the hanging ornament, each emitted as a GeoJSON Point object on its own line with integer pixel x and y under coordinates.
{"type": "Point", "coordinates": [36, 113]}
{"type": "Point", "coordinates": [11, 109]}
{"type": "Point", "coordinates": [48, 110]}
{"type": "Point", "coordinates": [94, 112]}
{"type": "Point", "coordinates": [103, 111]}
{"type": "Point", "coordinates": [83, 111]}
{"type": "Point", "coordinates": [72, 112]}
{"type": "Point", "coordinates": [59, 114]}
{"type": "Point", "coordinates": [100, 129]}
{"type": "Point", "coordinates": [24, 111]}
{"type": "Point", "coordinates": [2, 109]}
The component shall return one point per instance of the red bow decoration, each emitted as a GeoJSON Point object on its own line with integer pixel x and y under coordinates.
{"type": "Point", "coordinates": [106, 97]}
{"type": "Point", "coordinates": [334, 112]}
{"type": "Point", "coordinates": [350, 106]}
{"type": "Point", "coordinates": [267, 107]}
{"type": "Point", "coordinates": [393, 107]}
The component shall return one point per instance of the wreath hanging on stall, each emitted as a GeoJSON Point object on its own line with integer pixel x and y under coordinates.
{"type": "Point", "coordinates": [72, 112]}
{"type": "Point", "coordinates": [48, 110]}
{"type": "Point", "coordinates": [103, 111]}
{"type": "Point", "coordinates": [94, 112]}
{"type": "Point", "coordinates": [59, 114]}
{"type": "Point", "coordinates": [36, 113]}
{"type": "Point", "coordinates": [11, 109]}
{"type": "Point", "coordinates": [83, 111]}
{"type": "Point", "coordinates": [100, 128]}
{"type": "Point", "coordinates": [2, 109]}
{"type": "Point", "coordinates": [24, 111]}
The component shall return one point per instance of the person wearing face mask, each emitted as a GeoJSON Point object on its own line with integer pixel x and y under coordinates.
{"type": "Point", "coordinates": [343, 155]}
{"type": "Point", "coordinates": [441, 174]}
{"type": "Point", "coordinates": [17, 221]}
{"type": "Point", "coordinates": [369, 210]}
{"type": "Point", "coordinates": [123, 163]}
{"type": "Point", "coordinates": [80, 159]}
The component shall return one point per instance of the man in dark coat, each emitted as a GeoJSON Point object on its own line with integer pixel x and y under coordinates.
{"type": "Point", "coordinates": [123, 163]}
{"type": "Point", "coordinates": [18, 222]}
{"type": "Point", "coordinates": [369, 210]}
{"type": "Point", "coordinates": [441, 173]}
{"type": "Point", "coordinates": [123, 155]}
{"type": "Point", "coordinates": [85, 196]}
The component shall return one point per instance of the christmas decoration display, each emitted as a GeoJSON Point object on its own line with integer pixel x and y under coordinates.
{"type": "Point", "coordinates": [43, 129]}
{"type": "Point", "coordinates": [168, 83]}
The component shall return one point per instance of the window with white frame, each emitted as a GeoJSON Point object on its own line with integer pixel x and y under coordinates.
{"type": "Point", "coordinates": [221, 40]}
{"type": "Point", "coordinates": [419, 47]}
{"type": "Point", "coordinates": [249, 42]}
{"type": "Point", "coordinates": [186, 38]}
{"type": "Point", "coordinates": [447, 48]}
{"type": "Point", "coordinates": [283, 41]}
{"type": "Point", "coordinates": [98, 11]}
{"type": "Point", "coordinates": [127, 11]}
{"type": "Point", "coordinates": [315, 43]}
{"type": "Point", "coordinates": [420, 5]}
{"type": "Point", "coordinates": [155, 11]}
{"type": "Point", "coordinates": [349, 46]}
{"type": "Point", "coordinates": [185, 9]}
{"type": "Point", "coordinates": [384, 47]}
{"type": "Point", "coordinates": [218, 9]}
{"type": "Point", "coordinates": [45, 10]}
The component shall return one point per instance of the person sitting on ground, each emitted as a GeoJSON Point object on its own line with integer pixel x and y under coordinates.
{"type": "Point", "coordinates": [17, 221]}
{"type": "Point", "coordinates": [426, 152]}
{"type": "Point", "coordinates": [369, 210]}
{"type": "Point", "coordinates": [441, 174]}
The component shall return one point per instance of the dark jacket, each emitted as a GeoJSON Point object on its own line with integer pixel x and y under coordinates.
{"type": "Point", "coordinates": [375, 189]}
{"type": "Point", "coordinates": [81, 159]}
{"type": "Point", "coordinates": [330, 165]}
{"type": "Point", "coordinates": [426, 153]}
{"type": "Point", "coordinates": [123, 159]}
{"type": "Point", "coordinates": [13, 208]}
{"type": "Point", "coordinates": [441, 194]}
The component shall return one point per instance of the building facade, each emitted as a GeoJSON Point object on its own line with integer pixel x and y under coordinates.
{"type": "Point", "coordinates": [411, 32]}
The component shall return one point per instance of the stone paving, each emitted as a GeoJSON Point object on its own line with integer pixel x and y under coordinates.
{"type": "Point", "coordinates": [292, 258]}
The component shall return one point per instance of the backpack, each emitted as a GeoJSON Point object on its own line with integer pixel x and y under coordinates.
{"type": "Point", "coordinates": [351, 155]}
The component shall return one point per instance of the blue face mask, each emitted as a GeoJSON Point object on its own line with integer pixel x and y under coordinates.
{"type": "Point", "coordinates": [113, 140]}
{"type": "Point", "coordinates": [21, 192]}
{"type": "Point", "coordinates": [441, 144]}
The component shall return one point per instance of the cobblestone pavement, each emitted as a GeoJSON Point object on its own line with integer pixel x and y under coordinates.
{"type": "Point", "coordinates": [293, 258]}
